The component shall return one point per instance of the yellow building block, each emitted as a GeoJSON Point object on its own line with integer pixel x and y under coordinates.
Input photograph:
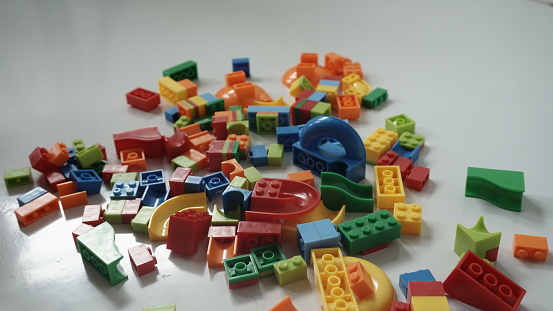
{"type": "Point", "coordinates": [354, 84]}
{"type": "Point", "coordinates": [331, 92]}
{"type": "Point", "coordinates": [429, 303]}
{"type": "Point", "coordinates": [299, 85]}
{"type": "Point", "coordinates": [389, 187]}
{"type": "Point", "coordinates": [171, 90]}
{"type": "Point", "coordinates": [378, 143]}
{"type": "Point", "coordinates": [201, 103]}
{"type": "Point", "coordinates": [410, 217]}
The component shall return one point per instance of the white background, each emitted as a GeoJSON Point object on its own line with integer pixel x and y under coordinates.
{"type": "Point", "coordinates": [476, 76]}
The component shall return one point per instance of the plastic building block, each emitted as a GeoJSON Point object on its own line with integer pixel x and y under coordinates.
{"type": "Point", "coordinates": [240, 182]}
{"type": "Point", "coordinates": [420, 275]}
{"type": "Point", "coordinates": [130, 210]}
{"type": "Point", "coordinates": [191, 87]}
{"type": "Point", "coordinates": [114, 210]}
{"type": "Point", "coordinates": [252, 175]}
{"type": "Point", "coordinates": [98, 250]}
{"type": "Point", "coordinates": [406, 153]}
{"type": "Point", "coordinates": [186, 229]}
{"type": "Point", "coordinates": [353, 84]}
{"type": "Point", "coordinates": [400, 124]}
{"type": "Point", "coordinates": [389, 186]}
{"type": "Point", "coordinates": [235, 198]}
{"type": "Point", "coordinates": [219, 125]}
{"type": "Point", "coordinates": [59, 154]}
{"type": "Point", "coordinates": [350, 68]}
{"type": "Point", "coordinates": [530, 247]}
{"type": "Point", "coordinates": [142, 260]}
{"type": "Point", "coordinates": [186, 70]}
{"type": "Point", "coordinates": [331, 280]}
{"type": "Point", "coordinates": [299, 85]}
{"type": "Point", "coordinates": [123, 177]}
{"type": "Point", "coordinates": [239, 92]}
{"type": "Point", "coordinates": [199, 139]}
{"type": "Point", "coordinates": [142, 219]}
{"type": "Point", "coordinates": [37, 209]}
{"type": "Point", "coordinates": [171, 90]}
{"type": "Point", "coordinates": [312, 95]}
{"type": "Point", "coordinates": [400, 306]}
{"type": "Point", "coordinates": [375, 98]}
{"type": "Point", "coordinates": [218, 218]}
{"type": "Point", "coordinates": [336, 191]}
{"type": "Point", "coordinates": [143, 99]}
{"type": "Point", "coordinates": [154, 197]}
{"type": "Point", "coordinates": [98, 166]}
{"type": "Point", "coordinates": [417, 178]}
{"type": "Point", "coordinates": [308, 67]}
{"type": "Point", "coordinates": [284, 305]}
{"type": "Point", "coordinates": [369, 231]}
{"type": "Point", "coordinates": [359, 280]}
{"type": "Point", "coordinates": [328, 144]}
{"type": "Point", "coordinates": [500, 187]}
{"type": "Point", "coordinates": [290, 270]}
{"type": "Point", "coordinates": [425, 288]}
{"type": "Point", "coordinates": [161, 308]}
{"type": "Point", "coordinates": [317, 234]}
{"type": "Point", "coordinates": [258, 155]}
{"type": "Point", "coordinates": [429, 303]}
{"type": "Point", "coordinates": [334, 63]}
{"type": "Point", "coordinates": [110, 169]}
{"type": "Point", "coordinates": [194, 184]}
{"type": "Point", "coordinates": [241, 64]}
{"type": "Point", "coordinates": [93, 215]}
{"type": "Point", "coordinates": [238, 128]}
{"type": "Point", "coordinates": [222, 242]}
{"type": "Point", "coordinates": [411, 141]}
{"type": "Point", "coordinates": [348, 106]}
{"type": "Point", "coordinates": [258, 124]}
{"type": "Point", "coordinates": [73, 200]}
{"type": "Point", "coordinates": [378, 143]}
{"type": "Point", "coordinates": [252, 234]}
{"type": "Point", "coordinates": [192, 159]}
{"type": "Point", "coordinates": [274, 199]}
{"type": "Point", "coordinates": [54, 178]}
{"type": "Point", "coordinates": [153, 179]}
{"type": "Point", "coordinates": [177, 180]}
{"type": "Point", "coordinates": [159, 220]}
{"type": "Point", "coordinates": [135, 160]}
{"type": "Point", "coordinates": [303, 176]}
{"type": "Point", "coordinates": [30, 195]}
{"type": "Point", "coordinates": [182, 121]}
{"type": "Point", "coordinates": [265, 257]}
{"type": "Point", "coordinates": [240, 269]}
{"type": "Point", "coordinates": [215, 183]}
{"type": "Point", "coordinates": [124, 190]}
{"type": "Point", "coordinates": [480, 285]}
{"type": "Point", "coordinates": [66, 188]}
{"type": "Point", "coordinates": [221, 150]}
{"type": "Point", "coordinates": [148, 139]}
{"type": "Point", "coordinates": [288, 135]}
{"type": "Point", "coordinates": [193, 107]}
{"type": "Point", "coordinates": [289, 226]}
{"type": "Point", "coordinates": [172, 114]}
{"type": "Point", "coordinates": [388, 158]}
{"type": "Point", "coordinates": [476, 239]}
{"type": "Point", "coordinates": [78, 145]}
{"type": "Point", "coordinates": [40, 160]}
{"type": "Point", "coordinates": [80, 230]}
{"type": "Point", "coordinates": [87, 180]}
{"type": "Point", "coordinates": [244, 144]}
{"type": "Point", "coordinates": [275, 154]}
{"type": "Point", "coordinates": [231, 168]}
{"type": "Point", "coordinates": [304, 110]}
{"type": "Point", "coordinates": [410, 217]}
{"type": "Point", "coordinates": [175, 144]}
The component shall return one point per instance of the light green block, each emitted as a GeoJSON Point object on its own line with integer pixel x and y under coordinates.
{"type": "Point", "coordinates": [218, 218]}
{"type": "Point", "coordinates": [184, 161]}
{"type": "Point", "coordinates": [400, 124]}
{"type": "Point", "coordinates": [123, 177]}
{"type": "Point", "coordinates": [477, 239]}
{"type": "Point", "coordinates": [161, 308]}
{"type": "Point", "coordinates": [89, 156]}
{"type": "Point", "coordinates": [113, 212]}
{"type": "Point", "coordinates": [411, 141]}
{"type": "Point", "coordinates": [238, 127]}
{"type": "Point", "coordinates": [252, 175]}
{"type": "Point", "coordinates": [320, 109]}
{"type": "Point", "coordinates": [18, 177]}
{"type": "Point", "coordinates": [239, 182]}
{"type": "Point", "coordinates": [181, 122]}
{"type": "Point", "coordinates": [275, 154]}
{"type": "Point", "coordinates": [140, 222]}
{"type": "Point", "coordinates": [290, 270]}
{"type": "Point", "coordinates": [78, 145]}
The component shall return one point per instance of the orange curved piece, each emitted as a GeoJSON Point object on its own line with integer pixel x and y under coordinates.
{"type": "Point", "coordinates": [239, 92]}
{"type": "Point", "coordinates": [313, 73]}
{"type": "Point", "coordinates": [219, 249]}
{"type": "Point", "coordinates": [284, 305]}
{"type": "Point", "coordinates": [289, 231]}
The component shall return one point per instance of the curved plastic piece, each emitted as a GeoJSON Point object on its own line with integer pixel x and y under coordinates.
{"type": "Point", "coordinates": [355, 85]}
{"type": "Point", "coordinates": [277, 102]}
{"type": "Point", "coordinates": [243, 94]}
{"type": "Point", "coordinates": [289, 230]}
{"type": "Point", "coordinates": [274, 199]}
{"type": "Point", "coordinates": [328, 144]}
{"type": "Point", "coordinates": [158, 227]}
{"type": "Point", "coordinates": [235, 198]}
{"type": "Point", "coordinates": [384, 294]}
{"type": "Point", "coordinates": [291, 75]}
{"type": "Point", "coordinates": [220, 249]}
{"type": "Point", "coordinates": [337, 191]}
{"type": "Point", "coordinates": [499, 187]}
{"type": "Point", "coordinates": [284, 305]}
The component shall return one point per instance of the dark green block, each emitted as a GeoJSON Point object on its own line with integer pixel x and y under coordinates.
{"type": "Point", "coordinates": [240, 268]}
{"type": "Point", "coordinates": [369, 231]}
{"type": "Point", "coordinates": [337, 190]}
{"type": "Point", "coordinates": [204, 122]}
{"type": "Point", "coordinates": [499, 187]}
{"type": "Point", "coordinates": [186, 70]}
{"type": "Point", "coordinates": [214, 106]}
{"type": "Point", "coordinates": [374, 98]}
{"type": "Point", "coordinates": [266, 256]}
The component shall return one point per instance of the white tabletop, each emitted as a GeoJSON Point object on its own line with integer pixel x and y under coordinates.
{"type": "Point", "coordinates": [475, 76]}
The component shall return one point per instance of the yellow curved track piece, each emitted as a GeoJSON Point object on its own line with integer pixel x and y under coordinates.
{"type": "Point", "coordinates": [354, 84]}
{"type": "Point", "coordinates": [159, 222]}
{"type": "Point", "coordinates": [289, 231]}
{"type": "Point", "coordinates": [277, 102]}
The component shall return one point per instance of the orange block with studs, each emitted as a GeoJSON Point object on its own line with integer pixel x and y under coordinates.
{"type": "Point", "coordinates": [59, 154]}
{"type": "Point", "coordinates": [348, 106]}
{"type": "Point", "coordinates": [244, 144]}
{"type": "Point", "coordinates": [530, 247]}
{"type": "Point", "coordinates": [355, 68]}
{"type": "Point", "coordinates": [191, 87]}
{"type": "Point", "coordinates": [37, 208]}
{"type": "Point", "coordinates": [359, 280]}
{"type": "Point", "coordinates": [134, 158]}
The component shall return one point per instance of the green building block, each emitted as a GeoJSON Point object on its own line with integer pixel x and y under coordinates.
{"type": "Point", "coordinates": [290, 270]}
{"type": "Point", "coordinates": [400, 124]}
{"type": "Point", "coordinates": [184, 161]}
{"type": "Point", "coordinates": [89, 156]}
{"type": "Point", "coordinates": [266, 122]}
{"type": "Point", "coordinates": [337, 190]}
{"type": "Point", "coordinates": [374, 98]}
{"type": "Point", "coordinates": [275, 154]}
{"type": "Point", "coordinates": [240, 268]}
{"type": "Point", "coordinates": [369, 231]}
{"type": "Point", "coordinates": [99, 251]}
{"type": "Point", "coordinates": [252, 175]}
{"type": "Point", "coordinates": [181, 122]}
{"type": "Point", "coordinates": [302, 83]}
{"type": "Point", "coordinates": [161, 308]}
{"type": "Point", "coordinates": [140, 222]}
{"type": "Point", "coordinates": [411, 141]}
{"type": "Point", "coordinates": [238, 127]}
{"type": "Point", "coordinates": [214, 106]}
{"type": "Point", "coordinates": [123, 177]}
{"type": "Point", "coordinates": [186, 70]}
{"type": "Point", "coordinates": [499, 187]}
{"type": "Point", "coordinates": [204, 122]}
{"type": "Point", "coordinates": [240, 182]}
{"type": "Point", "coordinates": [18, 177]}
{"type": "Point", "coordinates": [477, 239]}
{"type": "Point", "coordinates": [78, 145]}
{"type": "Point", "coordinates": [321, 109]}
{"type": "Point", "coordinates": [98, 167]}
{"type": "Point", "coordinates": [113, 212]}
{"type": "Point", "coordinates": [266, 256]}
{"type": "Point", "coordinates": [218, 218]}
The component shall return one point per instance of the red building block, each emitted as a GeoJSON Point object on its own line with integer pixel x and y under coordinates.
{"type": "Point", "coordinates": [405, 166]}
{"type": "Point", "coordinates": [80, 230]}
{"type": "Point", "coordinates": [417, 178]}
{"type": "Point", "coordinates": [143, 99]}
{"type": "Point", "coordinates": [491, 254]}
{"type": "Point", "coordinates": [175, 145]}
{"type": "Point", "coordinates": [186, 229]}
{"type": "Point", "coordinates": [142, 259]}
{"type": "Point", "coordinates": [103, 150]}
{"type": "Point", "coordinates": [219, 151]}
{"type": "Point", "coordinates": [40, 160]}
{"type": "Point", "coordinates": [93, 215]}
{"type": "Point", "coordinates": [425, 288]}
{"type": "Point", "coordinates": [149, 139]}
{"type": "Point", "coordinates": [359, 280]}
{"type": "Point", "coordinates": [59, 154]}
{"type": "Point", "coordinates": [374, 249]}
{"type": "Point", "coordinates": [400, 306]}
{"type": "Point", "coordinates": [252, 234]}
{"type": "Point", "coordinates": [54, 178]}
{"type": "Point", "coordinates": [130, 209]}
{"type": "Point", "coordinates": [388, 158]}
{"type": "Point", "coordinates": [110, 169]}
{"type": "Point", "coordinates": [530, 247]}
{"type": "Point", "coordinates": [475, 282]}
{"type": "Point", "coordinates": [176, 182]}
{"type": "Point", "coordinates": [219, 125]}
{"type": "Point", "coordinates": [36, 209]}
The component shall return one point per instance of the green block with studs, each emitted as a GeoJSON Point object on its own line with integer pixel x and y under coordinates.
{"type": "Point", "coordinates": [275, 154]}
{"type": "Point", "coordinates": [411, 141]}
{"type": "Point", "coordinates": [252, 175]}
{"type": "Point", "coordinates": [400, 124]}
{"type": "Point", "coordinates": [266, 256]}
{"type": "Point", "coordinates": [18, 177]}
{"type": "Point", "coordinates": [477, 239]}
{"type": "Point", "coordinates": [186, 70]}
{"type": "Point", "coordinates": [321, 109]}
{"type": "Point", "coordinates": [89, 156]}
{"type": "Point", "coordinates": [369, 231]}
{"type": "Point", "coordinates": [374, 98]}
{"type": "Point", "coordinates": [240, 268]}
{"type": "Point", "coordinates": [141, 221]}
{"type": "Point", "coordinates": [290, 270]}
{"type": "Point", "coordinates": [266, 122]}
{"type": "Point", "coordinates": [181, 122]}
{"type": "Point", "coordinates": [123, 177]}
{"type": "Point", "coordinates": [78, 145]}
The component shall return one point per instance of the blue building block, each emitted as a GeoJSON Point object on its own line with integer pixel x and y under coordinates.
{"type": "Point", "coordinates": [236, 198]}
{"type": "Point", "coordinates": [154, 179]}
{"type": "Point", "coordinates": [30, 195]}
{"type": "Point", "coordinates": [406, 153]}
{"type": "Point", "coordinates": [316, 234]}
{"type": "Point", "coordinates": [125, 190]}
{"type": "Point", "coordinates": [241, 64]}
{"type": "Point", "coordinates": [215, 183]}
{"type": "Point", "coordinates": [172, 114]}
{"type": "Point", "coordinates": [72, 157]}
{"type": "Point", "coordinates": [87, 180]}
{"type": "Point", "coordinates": [330, 82]}
{"type": "Point", "coordinates": [194, 184]}
{"type": "Point", "coordinates": [67, 168]}
{"type": "Point", "coordinates": [283, 115]}
{"type": "Point", "coordinates": [318, 96]}
{"type": "Point", "coordinates": [153, 198]}
{"type": "Point", "coordinates": [209, 97]}
{"type": "Point", "coordinates": [328, 144]}
{"type": "Point", "coordinates": [288, 135]}
{"type": "Point", "coordinates": [258, 155]}
{"type": "Point", "coordinates": [421, 275]}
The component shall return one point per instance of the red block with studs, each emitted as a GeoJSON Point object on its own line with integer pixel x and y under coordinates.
{"type": "Point", "coordinates": [142, 259]}
{"type": "Point", "coordinates": [143, 99]}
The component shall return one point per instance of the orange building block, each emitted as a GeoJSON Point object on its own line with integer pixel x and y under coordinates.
{"type": "Point", "coordinates": [309, 58]}
{"type": "Point", "coordinates": [191, 87]}
{"type": "Point", "coordinates": [530, 247]}
{"type": "Point", "coordinates": [334, 63]}
{"type": "Point", "coordinates": [200, 141]}
{"type": "Point", "coordinates": [222, 245]}
{"type": "Point", "coordinates": [67, 188]}
{"type": "Point", "coordinates": [308, 70]}
{"type": "Point", "coordinates": [359, 280]}
{"type": "Point", "coordinates": [59, 154]}
{"type": "Point", "coordinates": [305, 176]}
{"type": "Point", "coordinates": [235, 78]}
{"type": "Point", "coordinates": [198, 157]}
{"type": "Point", "coordinates": [350, 68]}
{"type": "Point", "coordinates": [74, 200]}
{"type": "Point", "coordinates": [36, 209]}
{"type": "Point", "coordinates": [244, 144]}
{"type": "Point", "coordinates": [134, 158]}
{"type": "Point", "coordinates": [348, 106]}
{"type": "Point", "coordinates": [284, 305]}
{"type": "Point", "coordinates": [231, 168]}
